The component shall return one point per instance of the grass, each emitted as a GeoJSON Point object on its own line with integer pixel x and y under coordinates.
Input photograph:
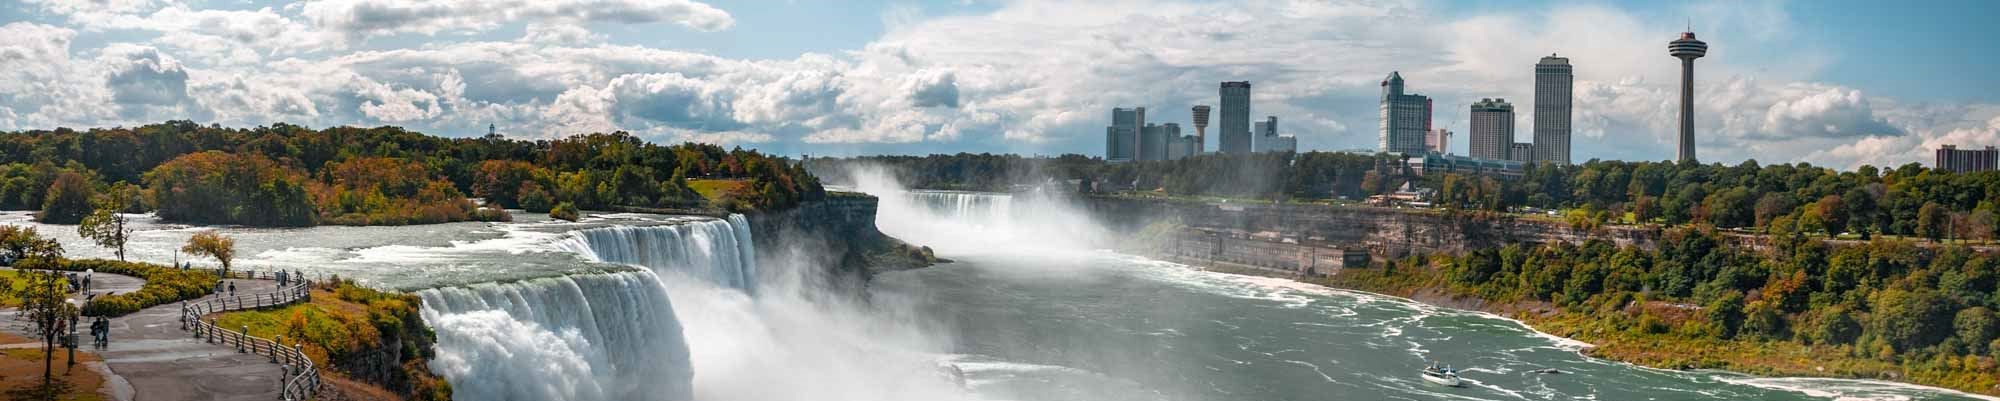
{"type": "Point", "coordinates": [713, 189]}
{"type": "Point", "coordinates": [21, 375]}
{"type": "Point", "coordinates": [9, 299]}
{"type": "Point", "coordinates": [344, 322]}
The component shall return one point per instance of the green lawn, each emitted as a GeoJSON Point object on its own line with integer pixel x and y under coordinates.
{"type": "Point", "coordinates": [713, 189]}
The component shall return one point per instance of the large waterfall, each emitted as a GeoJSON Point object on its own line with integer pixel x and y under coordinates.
{"type": "Point", "coordinates": [696, 323]}
{"type": "Point", "coordinates": [983, 222]}
{"type": "Point", "coordinates": [581, 337]}
{"type": "Point", "coordinates": [720, 251]}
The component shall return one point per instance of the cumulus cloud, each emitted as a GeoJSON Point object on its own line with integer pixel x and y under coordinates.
{"type": "Point", "coordinates": [368, 18]}
{"type": "Point", "coordinates": [1029, 76]}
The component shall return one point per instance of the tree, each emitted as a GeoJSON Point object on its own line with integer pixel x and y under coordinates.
{"type": "Point", "coordinates": [1772, 205]}
{"type": "Point", "coordinates": [1931, 221]}
{"type": "Point", "coordinates": [106, 226]}
{"type": "Point", "coordinates": [1909, 320]}
{"type": "Point", "coordinates": [68, 200]}
{"type": "Point", "coordinates": [1833, 213]}
{"type": "Point", "coordinates": [45, 297]}
{"type": "Point", "coordinates": [565, 211]}
{"type": "Point", "coordinates": [1975, 327]}
{"type": "Point", "coordinates": [211, 244]}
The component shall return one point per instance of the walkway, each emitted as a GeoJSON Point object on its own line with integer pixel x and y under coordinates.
{"type": "Point", "coordinates": [149, 351]}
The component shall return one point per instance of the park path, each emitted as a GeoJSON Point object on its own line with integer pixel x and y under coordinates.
{"type": "Point", "coordinates": [152, 359]}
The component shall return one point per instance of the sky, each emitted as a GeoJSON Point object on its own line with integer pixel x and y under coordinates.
{"type": "Point", "coordinates": [1833, 83]}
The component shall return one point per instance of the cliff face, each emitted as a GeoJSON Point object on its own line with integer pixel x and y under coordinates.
{"type": "Point", "coordinates": [838, 231]}
{"type": "Point", "coordinates": [1281, 232]}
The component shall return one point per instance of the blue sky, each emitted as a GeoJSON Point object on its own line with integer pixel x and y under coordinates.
{"type": "Point", "coordinates": [1837, 83]}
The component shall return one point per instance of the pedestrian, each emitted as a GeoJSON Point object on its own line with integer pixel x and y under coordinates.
{"type": "Point", "coordinates": [232, 288]}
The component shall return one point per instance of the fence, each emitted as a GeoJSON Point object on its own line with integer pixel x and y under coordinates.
{"type": "Point", "coordinates": [301, 377]}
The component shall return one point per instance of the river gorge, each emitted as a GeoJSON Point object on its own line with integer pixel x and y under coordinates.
{"type": "Point", "coordinates": [1034, 307]}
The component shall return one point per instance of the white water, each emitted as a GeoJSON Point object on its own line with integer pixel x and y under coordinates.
{"type": "Point", "coordinates": [982, 223]}
{"type": "Point", "coordinates": [582, 337]}
{"type": "Point", "coordinates": [700, 321]}
{"type": "Point", "coordinates": [719, 251]}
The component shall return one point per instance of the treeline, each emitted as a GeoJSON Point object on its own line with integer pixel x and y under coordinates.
{"type": "Point", "coordinates": [1930, 311]}
{"type": "Point", "coordinates": [1909, 200]}
{"type": "Point", "coordinates": [286, 175]}
{"type": "Point", "coordinates": [1310, 175]}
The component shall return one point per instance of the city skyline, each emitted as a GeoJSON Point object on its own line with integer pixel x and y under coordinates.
{"type": "Point", "coordinates": [1798, 82]}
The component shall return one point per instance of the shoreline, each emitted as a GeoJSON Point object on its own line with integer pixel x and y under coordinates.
{"type": "Point", "coordinates": [1582, 348]}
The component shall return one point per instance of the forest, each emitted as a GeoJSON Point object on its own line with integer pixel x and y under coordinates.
{"type": "Point", "coordinates": [287, 175]}
{"type": "Point", "coordinates": [1699, 300]}
{"type": "Point", "coordinates": [1908, 200]}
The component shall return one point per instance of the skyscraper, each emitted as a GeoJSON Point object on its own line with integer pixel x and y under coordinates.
{"type": "Point", "coordinates": [1552, 107]}
{"type": "Point", "coordinates": [1121, 139]}
{"type": "Point", "coordinates": [1406, 118]}
{"type": "Point", "coordinates": [1687, 49]}
{"type": "Point", "coordinates": [1439, 141]}
{"type": "Point", "coordinates": [1200, 129]}
{"type": "Point", "coordinates": [1154, 138]}
{"type": "Point", "coordinates": [1492, 129]}
{"type": "Point", "coordinates": [1950, 158]}
{"type": "Point", "coordinates": [1262, 132]}
{"type": "Point", "coordinates": [1235, 119]}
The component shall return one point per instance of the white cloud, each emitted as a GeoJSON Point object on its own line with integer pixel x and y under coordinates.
{"type": "Point", "coordinates": [1030, 76]}
{"type": "Point", "coordinates": [369, 18]}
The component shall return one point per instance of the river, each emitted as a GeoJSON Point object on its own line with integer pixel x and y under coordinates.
{"type": "Point", "coordinates": [638, 307]}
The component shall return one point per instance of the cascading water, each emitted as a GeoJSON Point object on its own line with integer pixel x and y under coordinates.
{"type": "Point", "coordinates": [980, 222]}
{"type": "Point", "coordinates": [720, 251]}
{"type": "Point", "coordinates": [716, 339]}
{"type": "Point", "coordinates": [581, 337]}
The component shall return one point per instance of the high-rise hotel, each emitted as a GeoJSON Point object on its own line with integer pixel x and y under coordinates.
{"type": "Point", "coordinates": [1493, 130]}
{"type": "Point", "coordinates": [1406, 118]}
{"type": "Point", "coordinates": [1553, 90]}
{"type": "Point", "coordinates": [1235, 121]}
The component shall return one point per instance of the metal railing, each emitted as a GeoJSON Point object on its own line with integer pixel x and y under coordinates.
{"type": "Point", "coordinates": [301, 377]}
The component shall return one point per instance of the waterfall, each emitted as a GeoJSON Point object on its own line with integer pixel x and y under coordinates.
{"type": "Point", "coordinates": [580, 337]}
{"type": "Point", "coordinates": [720, 251]}
{"type": "Point", "coordinates": [983, 222]}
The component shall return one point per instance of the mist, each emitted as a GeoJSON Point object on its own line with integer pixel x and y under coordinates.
{"type": "Point", "coordinates": [979, 223]}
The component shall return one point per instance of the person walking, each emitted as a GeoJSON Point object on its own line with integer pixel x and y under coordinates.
{"type": "Point", "coordinates": [232, 288]}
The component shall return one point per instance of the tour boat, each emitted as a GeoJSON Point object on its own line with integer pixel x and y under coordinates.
{"type": "Point", "coordinates": [1442, 376]}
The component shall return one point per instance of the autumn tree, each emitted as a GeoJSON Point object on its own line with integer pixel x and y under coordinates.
{"type": "Point", "coordinates": [211, 244]}
{"type": "Point", "coordinates": [68, 199]}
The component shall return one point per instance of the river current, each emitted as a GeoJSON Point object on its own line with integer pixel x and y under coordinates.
{"type": "Point", "coordinates": [639, 307]}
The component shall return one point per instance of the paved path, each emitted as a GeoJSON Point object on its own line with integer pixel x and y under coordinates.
{"type": "Point", "coordinates": [149, 352]}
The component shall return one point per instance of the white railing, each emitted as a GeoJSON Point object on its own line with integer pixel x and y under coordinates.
{"type": "Point", "coordinates": [301, 377]}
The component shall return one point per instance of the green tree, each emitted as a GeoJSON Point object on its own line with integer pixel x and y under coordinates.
{"type": "Point", "coordinates": [106, 226]}
{"type": "Point", "coordinates": [1910, 320]}
{"type": "Point", "coordinates": [68, 200]}
{"type": "Point", "coordinates": [45, 296]}
{"type": "Point", "coordinates": [1975, 327]}
{"type": "Point", "coordinates": [1833, 214]}
{"type": "Point", "coordinates": [1725, 313]}
{"type": "Point", "coordinates": [1931, 221]}
{"type": "Point", "coordinates": [211, 244]}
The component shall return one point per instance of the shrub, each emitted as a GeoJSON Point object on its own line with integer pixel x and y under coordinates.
{"type": "Point", "coordinates": [164, 285]}
{"type": "Point", "coordinates": [565, 211]}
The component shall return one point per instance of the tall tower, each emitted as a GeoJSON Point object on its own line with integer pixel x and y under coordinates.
{"type": "Point", "coordinates": [1553, 81]}
{"type": "Point", "coordinates": [1687, 49]}
{"type": "Point", "coordinates": [1235, 118]}
{"type": "Point", "coordinates": [1200, 129]}
{"type": "Point", "coordinates": [1493, 129]}
{"type": "Point", "coordinates": [1406, 118]}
